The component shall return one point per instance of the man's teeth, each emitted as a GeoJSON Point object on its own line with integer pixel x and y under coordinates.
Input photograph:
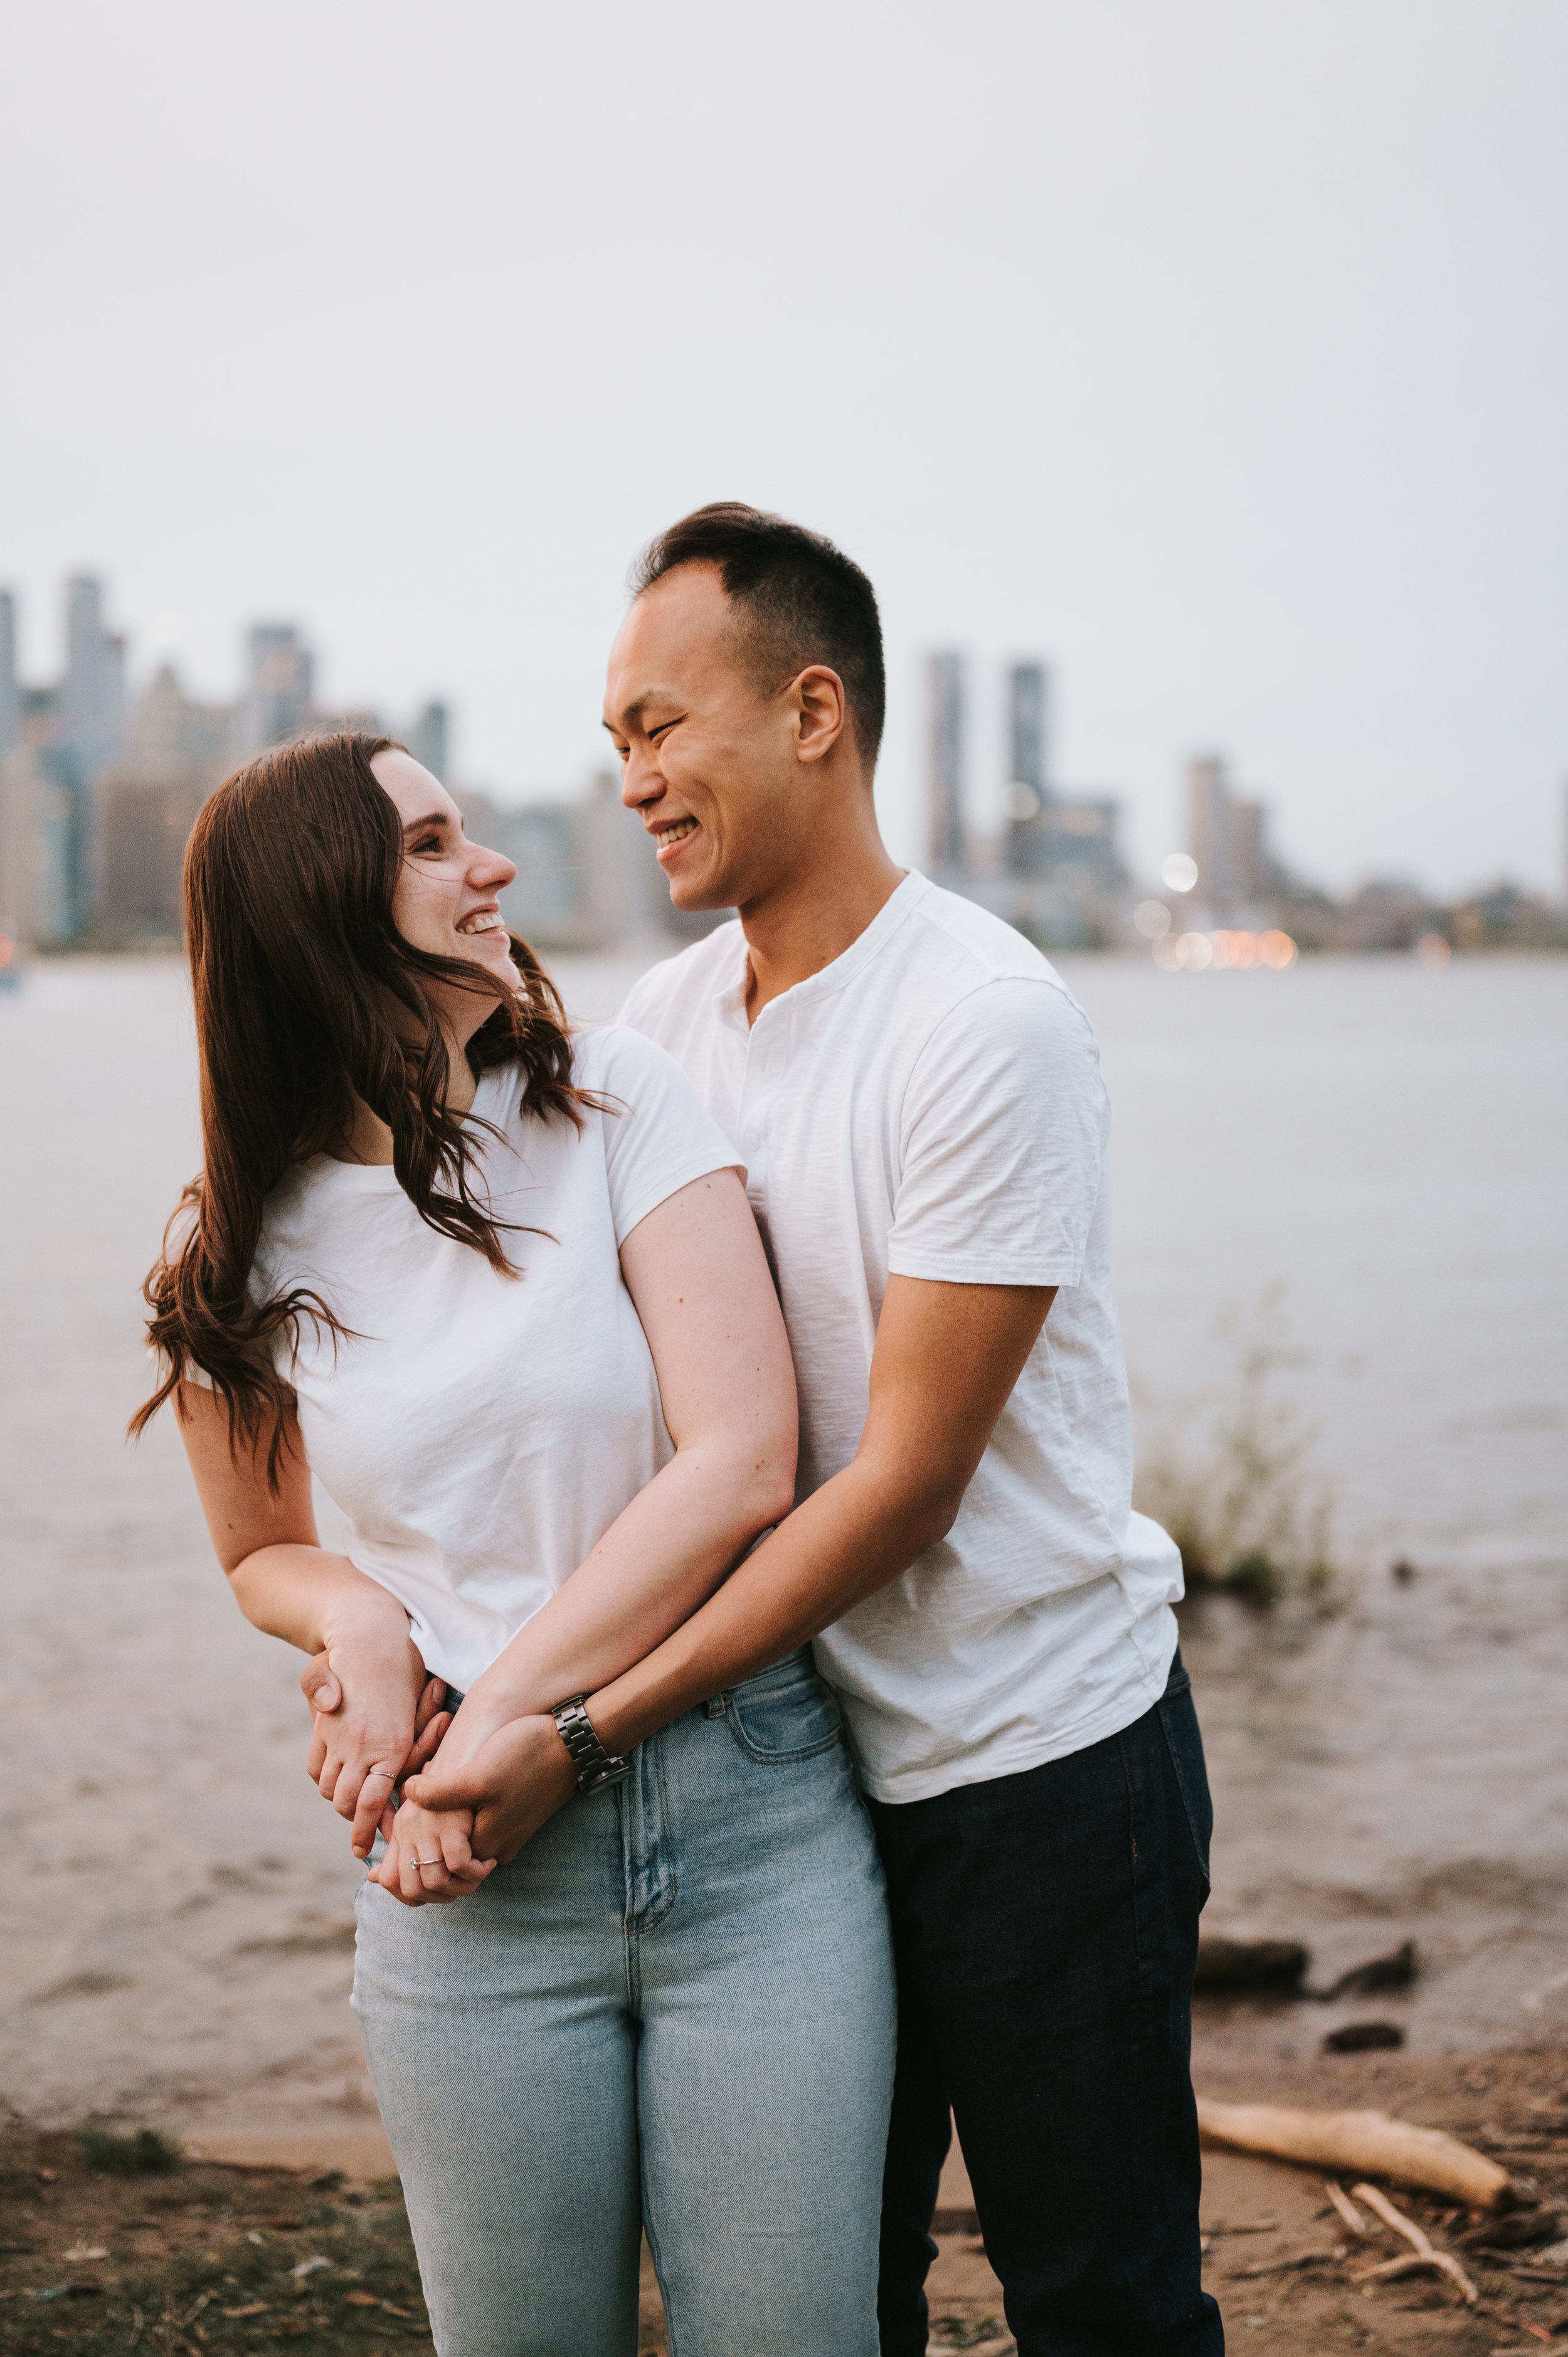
{"type": "Point", "coordinates": [665, 835]}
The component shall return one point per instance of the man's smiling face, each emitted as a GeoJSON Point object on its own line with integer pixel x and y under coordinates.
{"type": "Point", "coordinates": [710, 752]}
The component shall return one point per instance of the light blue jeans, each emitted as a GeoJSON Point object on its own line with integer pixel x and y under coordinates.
{"type": "Point", "coordinates": [673, 2010]}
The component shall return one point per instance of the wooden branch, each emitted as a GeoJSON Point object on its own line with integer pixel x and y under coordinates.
{"type": "Point", "coordinates": [1360, 2141]}
{"type": "Point", "coordinates": [1424, 2251]}
{"type": "Point", "coordinates": [1346, 2207]}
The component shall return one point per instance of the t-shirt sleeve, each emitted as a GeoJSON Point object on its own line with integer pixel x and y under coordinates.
{"type": "Point", "coordinates": [658, 1136]}
{"type": "Point", "coordinates": [1004, 1135]}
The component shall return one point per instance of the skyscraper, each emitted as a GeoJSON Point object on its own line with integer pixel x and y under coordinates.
{"type": "Point", "coordinates": [1227, 838]}
{"type": "Point", "coordinates": [279, 684]}
{"type": "Point", "coordinates": [427, 738]}
{"type": "Point", "coordinates": [92, 693]}
{"type": "Point", "coordinates": [1027, 789]}
{"type": "Point", "coordinates": [945, 727]}
{"type": "Point", "coordinates": [10, 688]}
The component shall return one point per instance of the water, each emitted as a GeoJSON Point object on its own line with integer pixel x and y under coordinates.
{"type": "Point", "coordinates": [1386, 1142]}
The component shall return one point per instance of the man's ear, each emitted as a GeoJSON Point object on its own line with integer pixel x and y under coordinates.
{"type": "Point", "coordinates": [821, 710]}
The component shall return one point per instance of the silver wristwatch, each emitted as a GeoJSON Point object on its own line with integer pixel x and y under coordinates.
{"type": "Point", "coordinates": [595, 1767]}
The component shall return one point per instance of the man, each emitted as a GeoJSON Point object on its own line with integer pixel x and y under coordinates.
{"type": "Point", "coordinates": [919, 1106]}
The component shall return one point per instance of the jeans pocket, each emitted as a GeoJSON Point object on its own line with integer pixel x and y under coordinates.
{"type": "Point", "coordinates": [1184, 1748]}
{"type": "Point", "coordinates": [787, 1713]}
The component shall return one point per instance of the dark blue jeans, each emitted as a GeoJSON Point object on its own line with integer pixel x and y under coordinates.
{"type": "Point", "coordinates": [1045, 1927]}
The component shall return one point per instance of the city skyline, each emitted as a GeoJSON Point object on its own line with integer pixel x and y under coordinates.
{"type": "Point", "coordinates": [1220, 352]}
{"type": "Point", "coordinates": [101, 782]}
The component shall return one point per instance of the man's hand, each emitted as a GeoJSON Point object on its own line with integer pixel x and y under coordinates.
{"type": "Point", "coordinates": [375, 1718]}
{"type": "Point", "coordinates": [514, 1784]}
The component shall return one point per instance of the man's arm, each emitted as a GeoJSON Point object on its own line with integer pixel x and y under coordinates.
{"type": "Point", "coordinates": [946, 1360]}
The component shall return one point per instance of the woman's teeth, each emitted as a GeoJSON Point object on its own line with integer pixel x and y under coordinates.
{"type": "Point", "coordinates": [486, 924]}
{"type": "Point", "coordinates": [665, 835]}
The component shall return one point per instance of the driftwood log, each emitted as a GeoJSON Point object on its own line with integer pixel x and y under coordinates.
{"type": "Point", "coordinates": [1369, 2144]}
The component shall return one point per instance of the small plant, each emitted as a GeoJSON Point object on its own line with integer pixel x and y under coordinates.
{"type": "Point", "coordinates": [144, 2153]}
{"type": "Point", "coordinates": [1232, 1482]}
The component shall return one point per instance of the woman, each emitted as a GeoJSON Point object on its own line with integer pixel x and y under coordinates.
{"type": "Point", "coordinates": [499, 1289]}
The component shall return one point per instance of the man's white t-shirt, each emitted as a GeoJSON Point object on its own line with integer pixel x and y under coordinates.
{"type": "Point", "coordinates": [482, 1432]}
{"type": "Point", "coordinates": [932, 1105]}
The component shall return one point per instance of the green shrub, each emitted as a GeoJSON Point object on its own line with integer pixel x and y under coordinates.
{"type": "Point", "coordinates": [144, 2153]}
{"type": "Point", "coordinates": [1229, 1475]}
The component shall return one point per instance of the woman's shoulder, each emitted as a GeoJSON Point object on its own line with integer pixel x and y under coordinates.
{"type": "Point", "coordinates": [612, 1058]}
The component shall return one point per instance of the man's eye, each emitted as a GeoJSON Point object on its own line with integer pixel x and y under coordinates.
{"type": "Point", "coordinates": [662, 730]}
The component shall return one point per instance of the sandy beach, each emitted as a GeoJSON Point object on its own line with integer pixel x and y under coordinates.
{"type": "Point", "coordinates": [178, 1918]}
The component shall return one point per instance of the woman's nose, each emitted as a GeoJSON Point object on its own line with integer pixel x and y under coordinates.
{"type": "Point", "coordinates": [492, 870]}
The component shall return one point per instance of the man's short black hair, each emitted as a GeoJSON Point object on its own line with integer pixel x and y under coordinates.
{"type": "Point", "coordinates": [802, 600]}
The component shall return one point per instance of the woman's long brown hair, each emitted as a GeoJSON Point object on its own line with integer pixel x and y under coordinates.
{"type": "Point", "coordinates": [308, 997]}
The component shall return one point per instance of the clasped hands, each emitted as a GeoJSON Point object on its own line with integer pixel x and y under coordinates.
{"type": "Point", "coordinates": [452, 1797]}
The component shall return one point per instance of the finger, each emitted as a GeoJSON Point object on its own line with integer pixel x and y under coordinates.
{"type": "Point", "coordinates": [427, 1743]}
{"type": "Point", "coordinates": [315, 1758]}
{"type": "Point", "coordinates": [388, 1874]}
{"type": "Point", "coordinates": [432, 1698]}
{"type": "Point", "coordinates": [319, 1687]}
{"type": "Point", "coordinates": [495, 1838]}
{"type": "Point", "coordinates": [345, 1794]}
{"type": "Point", "coordinates": [454, 1845]}
{"type": "Point", "coordinates": [432, 1791]}
{"type": "Point", "coordinates": [424, 1877]}
{"type": "Point", "coordinates": [370, 1804]}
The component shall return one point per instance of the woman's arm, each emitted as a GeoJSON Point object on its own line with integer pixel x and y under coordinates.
{"type": "Point", "coordinates": [287, 1583]}
{"type": "Point", "coordinates": [696, 1271]}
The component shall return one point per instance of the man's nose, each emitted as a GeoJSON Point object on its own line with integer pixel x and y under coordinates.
{"type": "Point", "coordinates": [640, 781]}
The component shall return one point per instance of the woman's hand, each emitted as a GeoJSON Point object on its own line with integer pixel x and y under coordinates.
{"type": "Point", "coordinates": [514, 1783]}
{"type": "Point", "coordinates": [428, 1860]}
{"type": "Point", "coordinates": [387, 1721]}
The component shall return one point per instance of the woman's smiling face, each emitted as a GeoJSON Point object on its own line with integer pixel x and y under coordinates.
{"type": "Point", "coordinates": [445, 901]}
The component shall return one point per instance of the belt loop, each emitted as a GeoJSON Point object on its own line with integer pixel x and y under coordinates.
{"type": "Point", "coordinates": [717, 1706]}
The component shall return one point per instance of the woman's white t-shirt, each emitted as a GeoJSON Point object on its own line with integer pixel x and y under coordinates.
{"type": "Point", "coordinates": [480, 1432]}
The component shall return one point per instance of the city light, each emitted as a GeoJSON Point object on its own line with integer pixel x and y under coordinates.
{"type": "Point", "coordinates": [1178, 873]}
{"type": "Point", "coordinates": [1221, 952]}
{"type": "Point", "coordinates": [1152, 919]}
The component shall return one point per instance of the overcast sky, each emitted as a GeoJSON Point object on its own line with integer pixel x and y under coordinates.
{"type": "Point", "coordinates": [1217, 349]}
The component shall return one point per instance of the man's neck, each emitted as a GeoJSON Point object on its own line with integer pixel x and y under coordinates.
{"type": "Point", "coordinates": [814, 915]}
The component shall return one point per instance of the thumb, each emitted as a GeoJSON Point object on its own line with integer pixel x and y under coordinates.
{"type": "Point", "coordinates": [319, 1687]}
{"type": "Point", "coordinates": [437, 1789]}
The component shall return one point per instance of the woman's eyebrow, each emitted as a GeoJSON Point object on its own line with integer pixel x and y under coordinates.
{"type": "Point", "coordinates": [418, 825]}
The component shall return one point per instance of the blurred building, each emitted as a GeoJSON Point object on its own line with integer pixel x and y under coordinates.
{"type": "Point", "coordinates": [945, 763]}
{"type": "Point", "coordinates": [40, 830]}
{"type": "Point", "coordinates": [10, 684]}
{"type": "Point", "coordinates": [427, 739]}
{"type": "Point", "coordinates": [176, 750]}
{"type": "Point", "coordinates": [586, 874]}
{"type": "Point", "coordinates": [280, 679]}
{"type": "Point", "coordinates": [92, 700]}
{"type": "Point", "coordinates": [1059, 877]}
{"type": "Point", "coordinates": [1227, 835]}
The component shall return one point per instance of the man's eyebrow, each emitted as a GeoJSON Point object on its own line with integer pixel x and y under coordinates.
{"type": "Point", "coordinates": [418, 825]}
{"type": "Point", "coordinates": [639, 705]}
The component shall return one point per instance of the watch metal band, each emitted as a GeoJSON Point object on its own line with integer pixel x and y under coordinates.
{"type": "Point", "coordinates": [595, 1765]}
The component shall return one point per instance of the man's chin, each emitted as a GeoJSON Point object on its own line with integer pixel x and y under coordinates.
{"type": "Point", "coordinates": [697, 896]}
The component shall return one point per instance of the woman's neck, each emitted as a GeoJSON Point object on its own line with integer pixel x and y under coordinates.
{"type": "Point", "coordinates": [368, 1138]}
